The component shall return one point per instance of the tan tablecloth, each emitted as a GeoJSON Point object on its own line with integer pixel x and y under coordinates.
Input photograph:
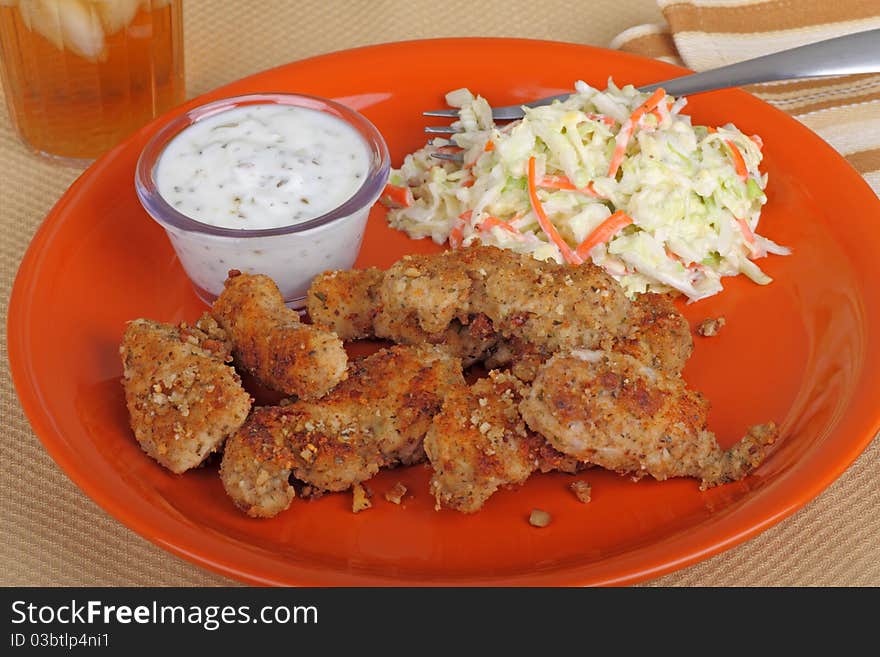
{"type": "Point", "coordinates": [52, 534]}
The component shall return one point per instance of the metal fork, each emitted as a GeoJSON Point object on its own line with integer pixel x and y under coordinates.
{"type": "Point", "coordinates": [852, 53]}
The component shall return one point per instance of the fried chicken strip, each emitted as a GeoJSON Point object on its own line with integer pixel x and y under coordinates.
{"type": "Point", "coordinates": [183, 397]}
{"type": "Point", "coordinates": [525, 310]}
{"type": "Point", "coordinates": [271, 343]}
{"type": "Point", "coordinates": [656, 334]}
{"type": "Point", "coordinates": [344, 301]}
{"type": "Point", "coordinates": [376, 418]}
{"type": "Point", "coordinates": [348, 303]}
{"type": "Point", "coordinates": [614, 411]}
{"type": "Point", "coordinates": [478, 443]}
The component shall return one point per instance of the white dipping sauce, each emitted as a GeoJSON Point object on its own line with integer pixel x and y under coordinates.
{"type": "Point", "coordinates": [262, 166]}
{"type": "Point", "coordinates": [265, 166]}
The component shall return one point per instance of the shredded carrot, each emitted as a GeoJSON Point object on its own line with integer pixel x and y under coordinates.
{"type": "Point", "coordinates": [671, 254]}
{"type": "Point", "coordinates": [601, 118]}
{"type": "Point", "coordinates": [563, 182]}
{"type": "Point", "coordinates": [468, 183]}
{"type": "Point", "coordinates": [674, 256]}
{"type": "Point", "coordinates": [397, 196]}
{"type": "Point", "coordinates": [549, 229]}
{"type": "Point", "coordinates": [629, 127]}
{"type": "Point", "coordinates": [738, 162]}
{"type": "Point", "coordinates": [749, 236]}
{"type": "Point", "coordinates": [456, 235]}
{"type": "Point", "coordinates": [490, 146]}
{"type": "Point", "coordinates": [604, 232]}
{"type": "Point", "coordinates": [623, 138]}
{"type": "Point", "coordinates": [491, 222]}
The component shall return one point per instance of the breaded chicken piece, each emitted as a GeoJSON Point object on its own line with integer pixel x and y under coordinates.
{"type": "Point", "coordinates": [658, 335]}
{"type": "Point", "coordinates": [432, 290]}
{"type": "Point", "coordinates": [654, 333]}
{"type": "Point", "coordinates": [397, 392]}
{"type": "Point", "coordinates": [270, 342]}
{"type": "Point", "coordinates": [525, 309]}
{"type": "Point", "coordinates": [545, 305]}
{"type": "Point", "coordinates": [347, 303]}
{"type": "Point", "coordinates": [377, 417]}
{"type": "Point", "coordinates": [478, 443]}
{"type": "Point", "coordinates": [614, 411]}
{"type": "Point", "coordinates": [255, 469]}
{"type": "Point", "coordinates": [183, 398]}
{"type": "Point", "coordinates": [324, 449]}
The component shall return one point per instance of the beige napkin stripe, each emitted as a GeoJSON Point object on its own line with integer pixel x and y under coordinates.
{"type": "Point", "coordinates": [849, 128]}
{"type": "Point", "coordinates": [770, 16]}
{"type": "Point", "coordinates": [818, 88]}
{"type": "Point", "coordinates": [708, 49]}
{"type": "Point", "coordinates": [795, 86]}
{"type": "Point", "coordinates": [654, 41]}
{"type": "Point", "coordinates": [798, 106]}
{"type": "Point", "coordinates": [862, 115]}
{"type": "Point", "coordinates": [851, 134]}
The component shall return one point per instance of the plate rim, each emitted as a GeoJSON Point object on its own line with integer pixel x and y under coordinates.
{"type": "Point", "coordinates": [50, 437]}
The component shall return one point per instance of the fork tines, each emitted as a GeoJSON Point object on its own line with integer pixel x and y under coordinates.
{"type": "Point", "coordinates": [452, 157]}
{"type": "Point", "coordinates": [448, 113]}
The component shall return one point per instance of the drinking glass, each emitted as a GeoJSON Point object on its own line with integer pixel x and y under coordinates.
{"type": "Point", "coordinates": [80, 75]}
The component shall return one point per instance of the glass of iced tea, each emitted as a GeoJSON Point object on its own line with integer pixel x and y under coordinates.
{"type": "Point", "coordinates": [80, 75]}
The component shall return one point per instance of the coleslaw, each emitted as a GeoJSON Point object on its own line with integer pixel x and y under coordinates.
{"type": "Point", "coordinates": [616, 177]}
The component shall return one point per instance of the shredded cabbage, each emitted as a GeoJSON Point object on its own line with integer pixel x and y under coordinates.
{"type": "Point", "coordinates": [694, 214]}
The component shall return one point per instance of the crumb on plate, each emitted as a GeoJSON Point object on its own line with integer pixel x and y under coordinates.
{"type": "Point", "coordinates": [710, 327]}
{"type": "Point", "coordinates": [539, 518]}
{"type": "Point", "coordinates": [360, 498]}
{"type": "Point", "coordinates": [582, 490]}
{"type": "Point", "coordinates": [395, 493]}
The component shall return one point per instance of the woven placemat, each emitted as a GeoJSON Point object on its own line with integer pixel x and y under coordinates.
{"type": "Point", "coordinates": [54, 535]}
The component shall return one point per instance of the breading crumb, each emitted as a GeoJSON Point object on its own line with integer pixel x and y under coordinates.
{"type": "Point", "coordinates": [582, 490]}
{"type": "Point", "coordinates": [360, 500]}
{"type": "Point", "coordinates": [709, 327]}
{"type": "Point", "coordinates": [395, 493]}
{"type": "Point", "coordinates": [539, 518]}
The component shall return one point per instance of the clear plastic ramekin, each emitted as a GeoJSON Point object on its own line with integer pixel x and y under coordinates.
{"type": "Point", "coordinates": [291, 255]}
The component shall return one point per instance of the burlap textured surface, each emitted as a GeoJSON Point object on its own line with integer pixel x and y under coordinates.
{"type": "Point", "coordinates": [52, 534]}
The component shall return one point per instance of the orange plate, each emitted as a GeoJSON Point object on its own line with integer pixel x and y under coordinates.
{"type": "Point", "coordinates": [800, 351]}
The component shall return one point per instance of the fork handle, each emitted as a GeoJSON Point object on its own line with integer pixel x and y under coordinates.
{"type": "Point", "coordinates": [848, 54]}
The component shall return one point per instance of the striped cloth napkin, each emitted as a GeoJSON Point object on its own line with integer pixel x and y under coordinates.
{"type": "Point", "coordinates": [703, 34]}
